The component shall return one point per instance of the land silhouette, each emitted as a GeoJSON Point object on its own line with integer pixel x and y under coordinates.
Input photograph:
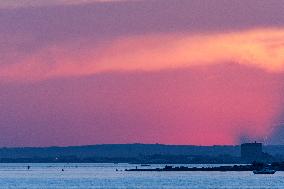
{"type": "Point", "coordinates": [135, 153]}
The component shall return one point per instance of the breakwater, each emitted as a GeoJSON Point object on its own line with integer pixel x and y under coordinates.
{"type": "Point", "coordinates": [250, 167]}
{"type": "Point", "coordinates": [183, 168]}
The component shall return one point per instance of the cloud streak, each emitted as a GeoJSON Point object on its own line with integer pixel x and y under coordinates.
{"type": "Point", "coordinates": [261, 48]}
{"type": "Point", "coordinates": [39, 3]}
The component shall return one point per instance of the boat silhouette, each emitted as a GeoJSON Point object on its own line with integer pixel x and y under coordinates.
{"type": "Point", "coordinates": [264, 171]}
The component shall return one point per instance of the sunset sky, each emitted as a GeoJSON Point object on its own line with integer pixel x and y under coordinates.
{"type": "Point", "coordinates": [201, 72]}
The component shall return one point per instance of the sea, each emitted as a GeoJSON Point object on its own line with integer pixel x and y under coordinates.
{"type": "Point", "coordinates": [113, 176]}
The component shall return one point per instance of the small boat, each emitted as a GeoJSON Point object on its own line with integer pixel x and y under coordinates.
{"type": "Point", "coordinates": [264, 171]}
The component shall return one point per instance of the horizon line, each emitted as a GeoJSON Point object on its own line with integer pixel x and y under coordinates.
{"type": "Point", "coordinates": [105, 144]}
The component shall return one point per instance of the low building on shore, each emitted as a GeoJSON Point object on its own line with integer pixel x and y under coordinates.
{"type": "Point", "coordinates": [251, 151]}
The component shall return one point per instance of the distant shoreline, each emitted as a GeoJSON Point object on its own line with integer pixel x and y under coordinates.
{"type": "Point", "coordinates": [133, 153]}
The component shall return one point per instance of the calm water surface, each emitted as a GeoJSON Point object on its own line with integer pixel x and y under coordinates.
{"type": "Point", "coordinates": [105, 176]}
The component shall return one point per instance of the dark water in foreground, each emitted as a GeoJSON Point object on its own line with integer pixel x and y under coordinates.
{"type": "Point", "coordinates": [104, 176]}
